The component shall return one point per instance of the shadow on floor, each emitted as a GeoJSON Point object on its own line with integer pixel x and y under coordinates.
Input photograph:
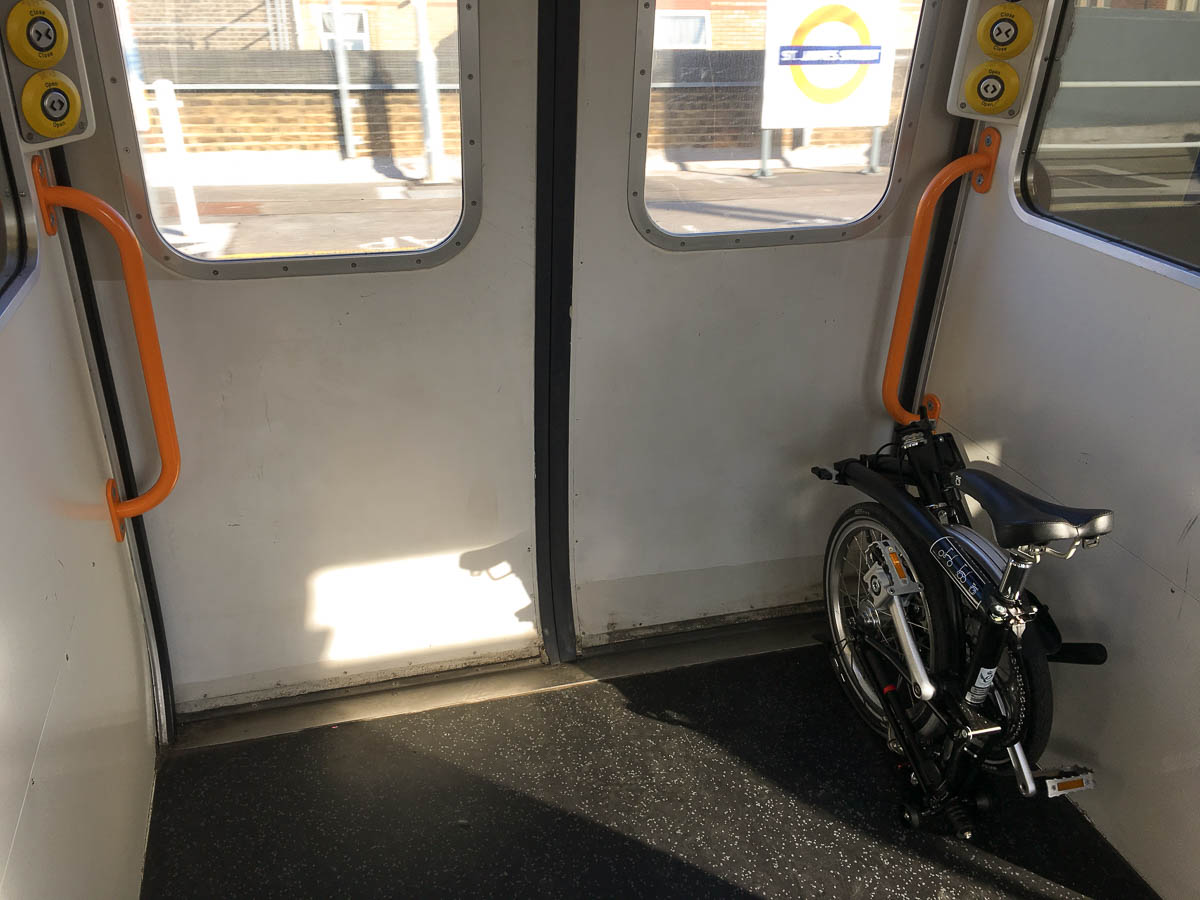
{"type": "Point", "coordinates": [742, 778]}
{"type": "Point", "coordinates": [785, 717]}
{"type": "Point", "coordinates": [364, 817]}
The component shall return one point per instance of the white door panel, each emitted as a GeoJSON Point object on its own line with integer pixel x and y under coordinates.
{"type": "Point", "coordinates": [343, 452]}
{"type": "Point", "coordinates": [356, 498]}
{"type": "Point", "coordinates": [706, 384]}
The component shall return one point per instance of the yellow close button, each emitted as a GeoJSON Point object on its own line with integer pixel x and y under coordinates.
{"type": "Point", "coordinates": [991, 87]}
{"type": "Point", "coordinates": [37, 34]}
{"type": "Point", "coordinates": [1005, 30]}
{"type": "Point", "coordinates": [50, 103]}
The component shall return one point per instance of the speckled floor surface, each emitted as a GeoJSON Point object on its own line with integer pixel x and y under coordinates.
{"type": "Point", "coordinates": [734, 779]}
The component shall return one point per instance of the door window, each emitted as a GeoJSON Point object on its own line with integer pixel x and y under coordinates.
{"type": "Point", "coordinates": [260, 138]}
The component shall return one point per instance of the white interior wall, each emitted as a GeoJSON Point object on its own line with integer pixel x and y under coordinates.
{"type": "Point", "coordinates": [356, 496]}
{"type": "Point", "coordinates": [77, 749]}
{"type": "Point", "coordinates": [1075, 367]}
{"type": "Point", "coordinates": [706, 384]}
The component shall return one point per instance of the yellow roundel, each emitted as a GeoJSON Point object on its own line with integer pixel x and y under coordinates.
{"type": "Point", "coordinates": [50, 103]}
{"type": "Point", "coordinates": [834, 12]}
{"type": "Point", "coordinates": [37, 33]}
{"type": "Point", "coordinates": [1005, 30]}
{"type": "Point", "coordinates": [991, 87]}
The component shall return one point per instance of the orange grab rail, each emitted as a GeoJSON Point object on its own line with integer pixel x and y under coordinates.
{"type": "Point", "coordinates": [979, 165]}
{"type": "Point", "coordinates": [138, 289]}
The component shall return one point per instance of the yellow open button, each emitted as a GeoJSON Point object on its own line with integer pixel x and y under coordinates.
{"type": "Point", "coordinates": [991, 87]}
{"type": "Point", "coordinates": [50, 104]}
{"type": "Point", "coordinates": [37, 34]}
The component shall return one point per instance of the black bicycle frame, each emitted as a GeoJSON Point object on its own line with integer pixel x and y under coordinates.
{"type": "Point", "coordinates": [925, 465]}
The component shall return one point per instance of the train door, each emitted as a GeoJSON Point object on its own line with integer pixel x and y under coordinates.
{"type": "Point", "coordinates": [344, 294]}
{"type": "Point", "coordinates": [737, 248]}
{"type": "Point", "coordinates": [372, 357]}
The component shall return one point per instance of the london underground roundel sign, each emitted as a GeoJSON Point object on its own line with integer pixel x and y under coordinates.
{"type": "Point", "coordinates": [828, 64]}
{"type": "Point", "coordinates": [851, 59]}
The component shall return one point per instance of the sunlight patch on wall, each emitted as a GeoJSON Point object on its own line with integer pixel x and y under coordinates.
{"type": "Point", "coordinates": [983, 451]}
{"type": "Point", "coordinates": [407, 605]}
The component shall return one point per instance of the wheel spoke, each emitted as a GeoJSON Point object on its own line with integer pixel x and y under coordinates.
{"type": "Point", "coordinates": [862, 561]}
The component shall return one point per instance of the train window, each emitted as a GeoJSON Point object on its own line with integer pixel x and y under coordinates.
{"type": "Point", "coordinates": [304, 129]}
{"type": "Point", "coordinates": [776, 119]}
{"type": "Point", "coordinates": [1116, 150]}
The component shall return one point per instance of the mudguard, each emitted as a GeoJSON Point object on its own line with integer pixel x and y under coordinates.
{"type": "Point", "coordinates": [972, 580]}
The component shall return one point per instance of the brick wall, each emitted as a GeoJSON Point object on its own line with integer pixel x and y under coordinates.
{"type": "Point", "coordinates": [725, 118]}
{"type": "Point", "coordinates": [203, 25]}
{"type": "Point", "coordinates": [738, 24]}
{"type": "Point", "coordinates": [247, 24]}
{"type": "Point", "coordinates": [386, 123]}
{"type": "Point", "coordinates": [741, 24]}
{"type": "Point", "coordinates": [389, 122]}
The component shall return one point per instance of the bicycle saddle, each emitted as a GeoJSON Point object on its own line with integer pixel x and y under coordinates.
{"type": "Point", "coordinates": [1021, 519]}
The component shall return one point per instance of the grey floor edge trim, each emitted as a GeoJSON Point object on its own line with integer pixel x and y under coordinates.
{"type": "Point", "coordinates": [694, 648]}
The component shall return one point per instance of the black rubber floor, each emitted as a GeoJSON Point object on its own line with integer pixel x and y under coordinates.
{"type": "Point", "coordinates": [735, 779]}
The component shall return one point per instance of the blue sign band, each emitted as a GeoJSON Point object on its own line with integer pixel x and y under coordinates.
{"type": "Point", "coordinates": [844, 55]}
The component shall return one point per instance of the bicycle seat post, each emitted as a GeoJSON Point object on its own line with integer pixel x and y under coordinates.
{"type": "Point", "coordinates": [1015, 574]}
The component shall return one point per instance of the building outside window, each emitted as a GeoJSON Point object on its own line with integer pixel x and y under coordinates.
{"type": "Point", "coordinates": [355, 35]}
{"type": "Point", "coordinates": [682, 29]}
{"type": "Point", "coordinates": [266, 150]}
{"type": "Point", "coordinates": [713, 167]}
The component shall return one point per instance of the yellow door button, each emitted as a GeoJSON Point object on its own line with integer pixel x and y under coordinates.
{"type": "Point", "coordinates": [37, 34]}
{"type": "Point", "coordinates": [1005, 30]}
{"type": "Point", "coordinates": [50, 104]}
{"type": "Point", "coordinates": [991, 87]}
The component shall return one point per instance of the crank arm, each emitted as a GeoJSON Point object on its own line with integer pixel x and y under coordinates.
{"type": "Point", "coordinates": [922, 686]}
{"type": "Point", "coordinates": [1020, 764]}
{"type": "Point", "coordinates": [1016, 755]}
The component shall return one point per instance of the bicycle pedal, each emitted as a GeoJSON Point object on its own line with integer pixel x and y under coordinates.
{"type": "Point", "coordinates": [1069, 781]}
{"type": "Point", "coordinates": [1079, 654]}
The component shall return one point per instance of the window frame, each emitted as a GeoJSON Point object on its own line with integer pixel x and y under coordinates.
{"type": "Point", "coordinates": [927, 28]}
{"type": "Point", "coordinates": [324, 36]}
{"type": "Point", "coordinates": [137, 197]}
{"type": "Point", "coordinates": [704, 14]}
{"type": "Point", "coordinates": [1042, 77]}
{"type": "Point", "coordinates": [21, 235]}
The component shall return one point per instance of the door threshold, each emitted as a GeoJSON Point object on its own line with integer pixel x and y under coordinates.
{"type": "Point", "coordinates": [507, 680]}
